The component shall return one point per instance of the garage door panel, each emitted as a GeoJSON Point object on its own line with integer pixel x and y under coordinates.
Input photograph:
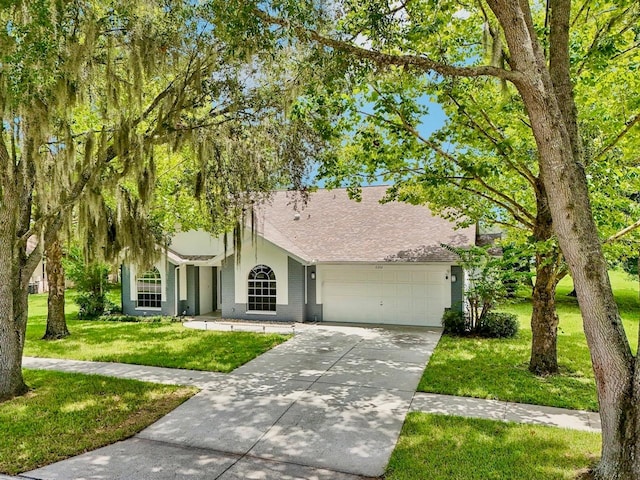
{"type": "Point", "coordinates": [398, 294]}
{"type": "Point", "coordinates": [352, 290]}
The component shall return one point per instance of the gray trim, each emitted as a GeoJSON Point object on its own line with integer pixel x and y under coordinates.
{"type": "Point", "coordinates": [457, 288]}
{"type": "Point", "coordinates": [313, 310]}
{"type": "Point", "coordinates": [168, 304]}
{"type": "Point", "coordinates": [193, 290]}
{"type": "Point", "coordinates": [214, 286]}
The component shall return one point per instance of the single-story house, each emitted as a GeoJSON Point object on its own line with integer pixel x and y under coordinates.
{"type": "Point", "coordinates": [330, 259]}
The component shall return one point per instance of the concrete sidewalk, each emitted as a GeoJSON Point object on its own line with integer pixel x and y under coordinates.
{"type": "Point", "coordinates": [506, 411]}
{"type": "Point", "coordinates": [168, 376]}
{"type": "Point", "coordinates": [328, 403]}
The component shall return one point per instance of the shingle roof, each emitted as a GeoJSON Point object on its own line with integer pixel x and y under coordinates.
{"type": "Point", "coordinates": [333, 228]}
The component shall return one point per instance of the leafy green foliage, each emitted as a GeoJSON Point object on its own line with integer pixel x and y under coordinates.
{"type": "Point", "coordinates": [90, 280]}
{"type": "Point", "coordinates": [454, 322]}
{"type": "Point", "coordinates": [492, 325]}
{"type": "Point", "coordinates": [91, 304]}
{"type": "Point", "coordinates": [498, 325]}
{"type": "Point", "coordinates": [488, 274]}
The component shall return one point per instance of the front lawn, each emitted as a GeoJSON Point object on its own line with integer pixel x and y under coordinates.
{"type": "Point", "coordinates": [157, 344]}
{"type": "Point", "coordinates": [498, 368]}
{"type": "Point", "coordinates": [440, 447]}
{"type": "Point", "coordinates": [67, 414]}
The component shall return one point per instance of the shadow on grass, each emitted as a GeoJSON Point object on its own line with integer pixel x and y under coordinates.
{"type": "Point", "coordinates": [459, 448]}
{"type": "Point", "coordinates": [155, 344]}
{"type": "Point", "coordinates": [498, 369]}
{"type": "Point", "coordinates": [66, 414]}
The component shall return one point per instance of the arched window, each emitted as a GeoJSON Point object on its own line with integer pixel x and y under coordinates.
{"type": "Point", "coordinates": [149, 289]}
{"type": "Point", "coordinates": [262, 289]}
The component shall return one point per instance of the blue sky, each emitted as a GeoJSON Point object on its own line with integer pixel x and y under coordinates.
{"type": "Point", "coordinates": [429, 124]}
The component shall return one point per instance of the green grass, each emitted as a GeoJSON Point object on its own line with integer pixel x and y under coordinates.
{"type": "Point", "coordinates": [156, 344]}
{"type": "Point", "coordinates": [497, 369]}
{"type": "Point", "coordinates": [440, 447]}
{"type": "Point", "coordinates": [67, 414]}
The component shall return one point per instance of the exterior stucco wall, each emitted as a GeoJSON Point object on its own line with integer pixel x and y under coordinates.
{"type": "Point", "coordinates": [457, 290]}
{"type": "Point", "coordinates": [294, 284]}
{"type": "Point", "coordinates": [258, 251]}
{"type": "Point", "coordinates": [129, 293]}
{"type": "Point", "coordinates": [227, 288]}
{"type": "Point", "coordinates": [196, 242]}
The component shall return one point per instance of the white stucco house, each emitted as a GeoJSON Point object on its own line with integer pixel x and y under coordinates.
{"type": "Point", "coordinates": [331, 260]}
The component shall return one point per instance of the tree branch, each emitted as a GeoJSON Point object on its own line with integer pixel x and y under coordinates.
{"type": "Point", "coordinates": [622, 233]}
{"type": "Point", "coordinates": [514, 213]}
{"type": "Point", "coordinates": [418, 62]}
{"type": "Point", "coordinates": [436, 148]}
{"type": "Point", "coordinates": [628, 126]}
{"type": "Point", "coordinates": [525, 172]}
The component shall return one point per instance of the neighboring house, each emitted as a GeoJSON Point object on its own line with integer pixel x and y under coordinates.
{"type": "Point", "coordinates": [38, 281]}
{"type": "Point", "coordinates": [332, 260]}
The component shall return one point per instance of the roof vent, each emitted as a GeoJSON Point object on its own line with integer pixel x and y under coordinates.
{"type": "Point", "coordinates": [296, 216]}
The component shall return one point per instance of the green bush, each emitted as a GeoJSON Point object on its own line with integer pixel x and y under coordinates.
{"type": "Point", "coordinates": [91, 305]}
{"type": "Point", "coordinates": [498, 325]}
{"type": "Point", "coordinates": [455, 323]}
{"type": "Point", "coordinates": [111, 308]}
{"type": "Point", "coordinates": [490, 325]}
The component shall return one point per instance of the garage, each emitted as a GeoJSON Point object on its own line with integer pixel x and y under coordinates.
{"type": "Point", "coordinates": [385, 294]}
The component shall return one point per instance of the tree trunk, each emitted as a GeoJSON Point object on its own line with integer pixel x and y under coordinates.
{"type": "Point", "coordinates": [16, 267]}
{"type": "Point", "coordinates": [13, 313]}
{"type": "Point", "coordinates": [544, 321]}
{"type": "Point", "coordinates": [11, 332]}
{"type": "Point", "coordinates": [616, 370]}
{"type": "Point", "coordinates": [56, 321]}
{"type": "Point", "coordinates": [544, 318]}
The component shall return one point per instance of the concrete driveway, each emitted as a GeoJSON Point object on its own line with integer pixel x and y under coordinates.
{"type": "Point", "coordinates": [328, 404]}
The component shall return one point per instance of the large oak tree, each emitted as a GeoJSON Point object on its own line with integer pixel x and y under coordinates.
{"type": "Point", "coordinates": [92, 94]}
{"type": "Point", "coordinates": [538, 63]}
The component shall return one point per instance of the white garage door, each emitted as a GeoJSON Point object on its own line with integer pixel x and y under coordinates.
{"type": "Point", "coordinates": [388, 294]}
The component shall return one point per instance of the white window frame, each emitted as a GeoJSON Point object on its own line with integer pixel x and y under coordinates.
{"type": "Point", "coordinates": [152, 285]}
{"type": "Point", "coordinates": [262, 292]}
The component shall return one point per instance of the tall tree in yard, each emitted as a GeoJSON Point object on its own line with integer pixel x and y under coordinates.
{"type": "Point", "coordinates": [478, 167]}
{"type": "Point", "coordinates": [542, 61]}
{"type": "Point", "coordinates": [56, 321]}
{"type": "Point", "coordinates": [90, 91]}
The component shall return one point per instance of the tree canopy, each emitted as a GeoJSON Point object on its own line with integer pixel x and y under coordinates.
{"type": "Point", "coordinates": [541, 50]}
{"type": "Point", "coordinates": [94, 95]}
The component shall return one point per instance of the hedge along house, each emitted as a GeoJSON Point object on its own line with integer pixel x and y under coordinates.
{"type": "Point", "coordinates": [331, 259]}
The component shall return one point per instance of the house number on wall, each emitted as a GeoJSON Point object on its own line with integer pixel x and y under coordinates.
{"type": "Point", "coordinates": [379, 267]}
